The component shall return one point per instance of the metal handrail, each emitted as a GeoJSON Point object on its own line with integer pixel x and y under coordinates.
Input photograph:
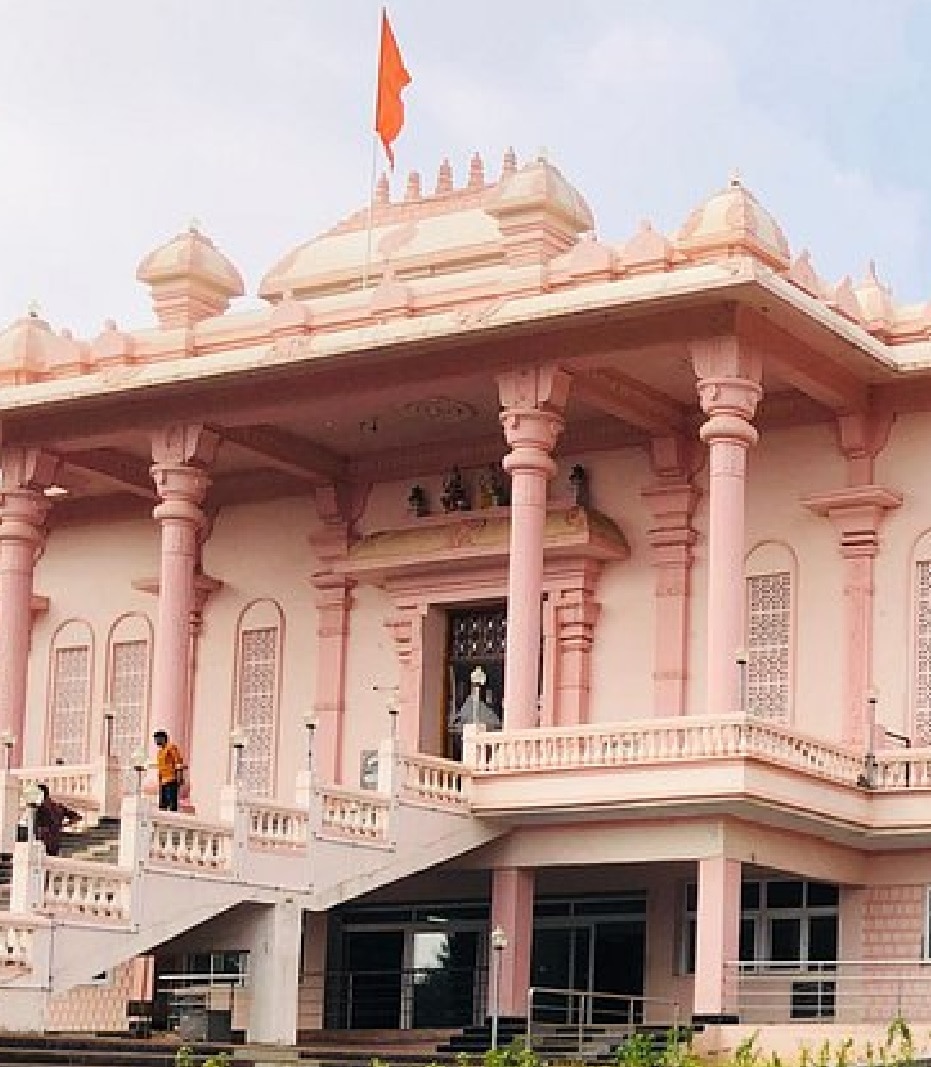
{"type": "Point", "coordinates": [585, 1023]}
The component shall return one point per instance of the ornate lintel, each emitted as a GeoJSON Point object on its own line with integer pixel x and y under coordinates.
{"type": "Point", "coordinates": [447, 542]}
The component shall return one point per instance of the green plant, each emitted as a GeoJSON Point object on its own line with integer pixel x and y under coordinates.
{"type": "Point", "coordinates": [185, 1057]}
{"type": "Point", "coordinates": [516, 1054]}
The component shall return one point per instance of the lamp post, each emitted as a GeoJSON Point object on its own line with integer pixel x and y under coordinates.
{"type": "Point", "coordinates": [499, 943]}
{"type": "Point", "coordinates": [32, 794]}
{"type": "Point", "coordinates": [108, 717]}
{"type": "Point", "coordinates": [310, 725]}
{"type": "Point", "coordinates": [742, 660]}
{"type": "Point", "coordinates": [8, 740]}
{"type": "Point", "coordinates": [237, 744]}
{"type": "Point", "coordinates": [140, 762]}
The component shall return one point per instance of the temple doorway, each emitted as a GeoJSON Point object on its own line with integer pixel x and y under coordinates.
{"type": "Point", "coordinates": [474, 684]}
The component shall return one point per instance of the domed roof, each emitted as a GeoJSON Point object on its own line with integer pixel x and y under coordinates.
{"type": "Point", "coordinates": [730, 222]}
{"type": "Point", "coordinates": [29, 350]}
{"type": "Point", "coordinates": [191, 255]}
{"type": "Point", "coordinates": [541, 187]}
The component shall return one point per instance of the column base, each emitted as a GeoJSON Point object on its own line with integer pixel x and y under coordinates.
{"type": "Point", "coordinates": [722, 1019]}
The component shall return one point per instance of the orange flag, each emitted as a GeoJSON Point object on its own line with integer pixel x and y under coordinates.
{"type": "Point", "coordinates": [392, 79]}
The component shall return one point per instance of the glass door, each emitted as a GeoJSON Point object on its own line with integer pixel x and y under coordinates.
{"type": "Point", "coordinates": [444, 990]}
{"type": "Point", "coordinates": [560, 961]}
{"type": "Point", "coordinates": [618, 968]}
{"type": "Point", "coordinates": [372, 994]}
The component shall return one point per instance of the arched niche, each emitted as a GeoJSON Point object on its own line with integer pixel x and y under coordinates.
{"type": "Point", "coordinates": [69, 689]}
{"type": "Point", "coordinates": [771, 581]}
{"type": "Point", "coordinates": [257, 692]}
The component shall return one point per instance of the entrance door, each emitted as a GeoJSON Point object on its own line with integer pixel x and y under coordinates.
{"type": "Point", "coordinates": [617, 968]}
{"type": "Point", "coordinates": [475, 672]}
{"type": "Point", "coordinates": [560, 962]}
{"type": "Point", "coordinates": [443, 979]}
{"type": "Point", "coordinates": [372, 985]}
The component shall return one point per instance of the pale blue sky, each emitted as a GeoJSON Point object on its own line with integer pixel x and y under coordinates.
{"type": "Point", "coordinates": [122, 119]}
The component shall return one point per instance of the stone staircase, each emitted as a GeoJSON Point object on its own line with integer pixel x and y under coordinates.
{"type": "Point", "coordinates": [93, 844]}
{"type": "Point", "coordinates": [124, 887]}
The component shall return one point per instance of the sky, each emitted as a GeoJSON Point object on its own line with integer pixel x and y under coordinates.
{"type": "Point", "coordinates": [123, 120]}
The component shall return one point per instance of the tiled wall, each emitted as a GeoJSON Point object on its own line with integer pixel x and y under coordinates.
{"type": "Point", "coordinates": [101, 1008]}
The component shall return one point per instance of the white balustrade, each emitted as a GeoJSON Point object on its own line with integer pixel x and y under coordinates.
{"type": "Point", "coordinates": [276, 826]}
{"type": "Point", "coordinates": [657, 741]}
{"type": "Point", "coordinates": [435, 781]}
{"type": "Point", "coordinates": [15, 944]}
{"type": "Point", "coordinates": [181, 841]}
{"type": "Point", "coordinates": [358, 816]}
{"type": "Point", "coordinates": [73, 783]}
{"type": "Point", "coordinates": [86, 890]}
{"type": "Point", "coordinates": [908, 768]}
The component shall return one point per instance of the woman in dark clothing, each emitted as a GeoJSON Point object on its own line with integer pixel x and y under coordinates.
{"type": "Point", "coordinates": [51, 817]}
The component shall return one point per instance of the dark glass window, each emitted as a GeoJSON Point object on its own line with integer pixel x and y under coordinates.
{"type": "Point", "coordinates": [785, 894]}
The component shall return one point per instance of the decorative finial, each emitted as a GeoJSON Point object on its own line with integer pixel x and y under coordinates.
{"type": "Point", "coordinates": [33, 308]}
{"type": "Point", "coordinates": [109, 325]}
{"type": "Point", "coordinates": [735, 182]}
{"type": "Point", "coordinates": [476, 172]}
{"type": "Point", "coordinates": [509, 164]}
{"type": "Point", "coordinates": [871, 275]}
{"type": "Point", "coordinates": [194, 225]}
{"type": "Point", "coordinates": [413, 186]}
{"type": "Point", "coordinates": [542, 154]}
{"type": "Point", "coordinates": [382, 191]}
{"type": "Point", "coordinates": [444, 178]}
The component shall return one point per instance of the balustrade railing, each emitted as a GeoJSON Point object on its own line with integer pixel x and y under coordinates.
{"type": "Point", "coordinates": [180, 841]}
{"type": "Point", "coordinates": [355, 816]}
{"type": "Point", "coordinates": [908, 768]}
{"type": "Point", "coordinates": [657, 741]}
{"type": "Point", "coordinates": [86, 890]}
{"type": "Point", "coordinates": [435, 781]}
{"type": "Point", "coordinates": [15, 943]}
{"type": "Point", "coordinates": [73, 783]}
{"type": "Point", "coordinates": [277, 826]}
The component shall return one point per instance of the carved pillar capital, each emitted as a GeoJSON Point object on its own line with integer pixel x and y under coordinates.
{"type": "Point", "coordinates": [861, 436]}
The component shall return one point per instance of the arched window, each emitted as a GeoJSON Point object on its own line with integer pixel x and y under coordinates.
{"type": "Point", "coordinates": [770, 609]}
{"type": "Point", "coordinates": [70, 693]}
{"type": "Point", "coordinates": [258, 680]}
{"type": "Point", "coordinates": [129, 659]}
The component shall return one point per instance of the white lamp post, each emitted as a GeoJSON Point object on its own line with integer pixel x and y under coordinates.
{"type": "Point", "coordinates": [108, 717]}
{"type": "Point", "coordinates": [742, 660]}
{"type": "Point", "coordinates": [237, 744]}
{"type": "Point", "coordinates": [310, 725]}
{"type": "Point", "coordinates": [499, 943]}
{"type": "Point", "coordinates": [139, 764]}
{"type": "Point", "coordinates": [8, 740]}
{"type": "Point", "coordinates": [32, 794]}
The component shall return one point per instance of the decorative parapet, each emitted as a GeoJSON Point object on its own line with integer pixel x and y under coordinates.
{"type": "Point", "coordinates": [441, 542]}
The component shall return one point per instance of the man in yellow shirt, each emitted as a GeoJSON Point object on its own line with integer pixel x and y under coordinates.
{"type": "Point", "coordinates": [170, 771]}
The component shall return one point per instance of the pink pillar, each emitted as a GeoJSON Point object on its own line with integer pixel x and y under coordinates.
{"type": "Point", "coordinates": [23, 511]}
{"type": "Point", "coordinates": [717, 937]}
{"type": "Point", "coordinates": [22, 514]}
{"type": "Point", "coordinates": [857, 514]}
{"type": "Point", "coordinates": [180, 454]}
{"type": "Point", "coordinates": [334, 601]}
{"type": "Point", "coordinates": [671, 539]}
{"type": "Point", "coordinates": [532, 402]}
{"type": "Point", "coordinates": [575, 612]}
{"type": "Point", "coordinates": [405, 625]}
{"type": "Point", "coordinates": [729, 388]}
{"type": "Point", "coordinates": [512, 911]}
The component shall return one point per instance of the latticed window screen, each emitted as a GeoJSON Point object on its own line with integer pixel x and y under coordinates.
{"type": "Point", "coordinates": [68, 725]}
{"type": "Point", "coordinates": [478, 634]}
{"type": "Point", "coordinates": [923, 652]}
{"type": "Point", "coordinates": [769, 614]}
{"type": "Point", "coordinates": [258, 681]}
{"type": "Point", "coordinates": [128, 687]}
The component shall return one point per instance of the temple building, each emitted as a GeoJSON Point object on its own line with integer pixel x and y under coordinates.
{"type": "Point", "coordinates": [533, 610]}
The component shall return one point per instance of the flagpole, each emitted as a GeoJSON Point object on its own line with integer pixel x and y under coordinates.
{"type": "Point", "coordinates": [367, 265]}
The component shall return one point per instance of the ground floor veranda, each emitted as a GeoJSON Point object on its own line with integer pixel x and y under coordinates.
{"type": "Point", "coordinates": [610, 945]}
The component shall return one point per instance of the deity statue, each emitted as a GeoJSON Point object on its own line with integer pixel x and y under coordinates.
{"type": "Point", "coordinates": [455, 495]}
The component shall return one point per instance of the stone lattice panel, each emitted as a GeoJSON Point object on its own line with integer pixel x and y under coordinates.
{"type": "Point", "coordinates": [769, 661]}
{"type": "Point", "coordinates": [128, 689]}
{"type": "Point", "coordinates": [68, 726]}
{"type": "Point", "coordinates": [922, 697]}
{"type": "Point", "coordinates": [258, 681]}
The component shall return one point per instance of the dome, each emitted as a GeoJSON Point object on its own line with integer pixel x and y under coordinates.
{"type": "Point", "coordinates": [29, 351]}
{"type": "Point", "coordinates": [539, 187]}
{"type": "Point", "coordinates": [733, 222]}
{"type": "Point", "coordinates": [190, 279]}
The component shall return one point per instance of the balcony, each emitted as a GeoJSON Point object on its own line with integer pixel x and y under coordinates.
{"type": "Point", "coordinates": [699, 766]}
